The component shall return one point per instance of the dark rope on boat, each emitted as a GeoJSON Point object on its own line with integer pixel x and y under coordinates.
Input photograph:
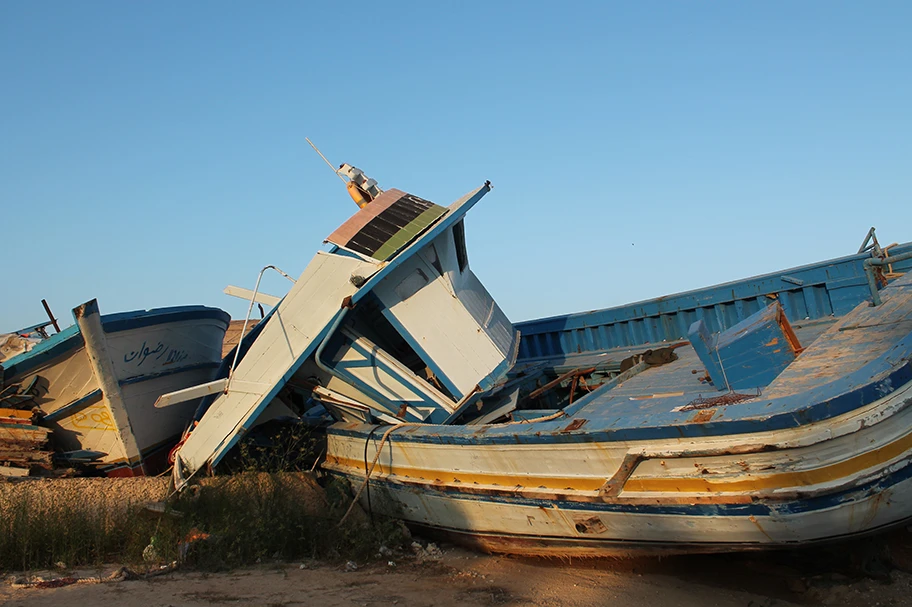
{"type": "Point", "coordinates": [373, 465]}
{"type": "Point", "coordinates": [370, 508]}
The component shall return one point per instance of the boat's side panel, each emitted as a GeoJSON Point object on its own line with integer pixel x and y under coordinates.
{"type": "Point", "coordinates": [188, 353]}
{"type": "Point", "coordinates": [805, 484]}
{"type": "Point", "coordinates": [88, 424]}
{"type": "Point", "coordinates": [566, 529]}
{"type": "Point", "coordinates": [388, 381]}
{"type": "Point", "coordinates": [68, 378]}
{"type": "Point", "coordinates": [298, 325]}
{"type": "Point", "coordinates": [150, 351]}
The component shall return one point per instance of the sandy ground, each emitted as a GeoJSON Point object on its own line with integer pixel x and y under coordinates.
{"type": "Point", "coordinates": [458, 577]}
{"type": "Point", "coordinates": [870, 573]}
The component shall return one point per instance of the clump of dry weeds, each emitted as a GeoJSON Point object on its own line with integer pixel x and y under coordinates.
{"type": "Point", "coordinates": [224, 521]}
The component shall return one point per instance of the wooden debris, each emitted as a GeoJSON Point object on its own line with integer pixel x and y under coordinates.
{"type": "Point", "coordinates": [22, 444]}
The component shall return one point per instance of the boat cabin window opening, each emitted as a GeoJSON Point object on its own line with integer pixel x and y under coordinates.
{"type": "Point", "coordinates": [434, 258]}
{"type": "Point", "coordinates": [459, 240]}
{"type": "Point", "coordinates": [411, 284]}
{"type": "Point", "coordinates": [368, 321]}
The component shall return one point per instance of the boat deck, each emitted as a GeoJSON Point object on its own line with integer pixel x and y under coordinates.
{"type": "Point", "coordinates": [840, 357]}
{"type": "Point", "coordinates": [847, 363]}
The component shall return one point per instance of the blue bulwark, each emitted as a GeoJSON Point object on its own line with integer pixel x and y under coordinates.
{"type": "Point", "coordinates": [749, 355]}
{"type": "Point", "coordinates": [55, 345]}
{"type": "Point", "coordinates": [70, 338]}
{"type": "Point", "coordinates": [125, 321]}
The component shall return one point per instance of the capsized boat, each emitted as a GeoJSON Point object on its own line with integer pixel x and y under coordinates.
{"type": "Point", "coordinates": [94, 384]}
{"type": "Point", "coordinates": [768, 412]}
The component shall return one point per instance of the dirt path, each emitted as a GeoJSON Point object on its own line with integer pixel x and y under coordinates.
{"type": "Point", "coordinates": [461, 578]}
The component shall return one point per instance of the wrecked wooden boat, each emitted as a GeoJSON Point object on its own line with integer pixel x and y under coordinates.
{"type": "Point", "coordinates": [93, 385]}
{"type": "Point", "coordinates": [763, 413]}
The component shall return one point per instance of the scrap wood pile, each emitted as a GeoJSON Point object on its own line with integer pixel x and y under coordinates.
{"type": "Point", "coordinates": [23, 445]}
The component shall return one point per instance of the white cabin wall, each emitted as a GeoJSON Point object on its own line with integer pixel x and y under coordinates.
{"type": "Point", "coordinates": [453, 319]}
{"type": "Point", "coordinates": [469, 289]}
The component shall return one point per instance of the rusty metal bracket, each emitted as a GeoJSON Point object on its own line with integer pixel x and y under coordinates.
{"type": "Point", "coordinates": [875, 264]}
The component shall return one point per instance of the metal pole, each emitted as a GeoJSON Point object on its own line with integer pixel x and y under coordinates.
{"type": "Point", "coordinates": [869, 265]}
{"type": "Point", "coordinates": [53, 320]}
{"type": "Point", "coordinates": [864, 245]}
{"type": "Point", "coordinates": [256, 289]}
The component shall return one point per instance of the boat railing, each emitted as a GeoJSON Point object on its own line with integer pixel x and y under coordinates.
{"type": "Point", "coordinates": [256, 289]}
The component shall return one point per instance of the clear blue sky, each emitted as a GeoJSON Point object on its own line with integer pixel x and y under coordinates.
{"type": "Point", "coordinates": [151, 153]}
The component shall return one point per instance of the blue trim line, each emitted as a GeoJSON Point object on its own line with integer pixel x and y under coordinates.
{"type": "Point", "coordinates": [549, 432]}
{"type": "Point", "coordinates": [71, 339]}
{"type": "Point", "coordinates": [124, 321]}
{"type": "Point", "coordinates": [67, 340]}
{"type": "Point", "coordinates": [195, 367]}
{"type": "Point", "coordinates": [80, 403]}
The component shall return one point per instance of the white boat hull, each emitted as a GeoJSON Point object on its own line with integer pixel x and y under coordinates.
{"type": "Point", "coordinates": [150, 354]}
{"type": "Point", "coordinates": [839, 478]}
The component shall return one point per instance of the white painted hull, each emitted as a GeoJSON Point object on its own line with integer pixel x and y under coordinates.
{"type": "Point", "coordinates": [551, 529]}
{"type": "Point", "coordinates": [834, 479]}
{"type": "Point", "coordinates": [148, 361]}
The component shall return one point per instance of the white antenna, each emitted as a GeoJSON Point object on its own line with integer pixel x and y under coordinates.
{"type": "Point", "coordinates": [325, 160]}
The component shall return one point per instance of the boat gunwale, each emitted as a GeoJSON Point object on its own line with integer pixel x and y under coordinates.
{"type": "Point", "coordinates": [63, 342]}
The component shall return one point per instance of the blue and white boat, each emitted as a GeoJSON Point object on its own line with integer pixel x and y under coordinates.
{"type": "Point", "coordinates": [95, 382]}
{"type": "Point", "coordinates": [768, 412]}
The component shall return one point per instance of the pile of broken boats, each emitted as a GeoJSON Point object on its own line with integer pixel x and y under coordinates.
{"type": "Point", "coordinates": [767, 412]}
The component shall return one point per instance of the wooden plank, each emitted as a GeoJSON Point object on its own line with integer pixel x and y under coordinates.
{"type": "Point", "coordinates": [17, 413]}
{"type": "Point", "coordinates": [574, 373]}
{"type": "Point", "coordinates": [20, 432]}
{"type": "Point", "coordinates": [25, 456]}
{"type": "Point", "coordinates": [89, 320]}
{"type": "Point", "coordinates": [11, 471]}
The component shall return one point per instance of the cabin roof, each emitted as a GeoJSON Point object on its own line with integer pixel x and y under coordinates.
{"type": "Point", "coordinates": [387, 224]}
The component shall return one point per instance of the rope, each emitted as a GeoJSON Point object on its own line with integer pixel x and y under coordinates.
{"type": "Point", "coordinates": [120, 575]}
{"type": "Point", "coordinates": [536, 420]}
{"type": "Point", "coordinates": [721, 366]}
{"type": "Point", "coordinates": [367, 476]}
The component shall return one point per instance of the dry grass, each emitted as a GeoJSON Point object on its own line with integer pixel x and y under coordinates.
{"type": "Point", "coordinates": [246, 518]}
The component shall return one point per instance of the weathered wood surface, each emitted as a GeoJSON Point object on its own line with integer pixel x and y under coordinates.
{"type": "Point", "coordinates": [22, 444]}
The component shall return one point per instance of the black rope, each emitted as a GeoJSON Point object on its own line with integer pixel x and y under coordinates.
{"type": "Point", "coordinates": [370, 510]}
